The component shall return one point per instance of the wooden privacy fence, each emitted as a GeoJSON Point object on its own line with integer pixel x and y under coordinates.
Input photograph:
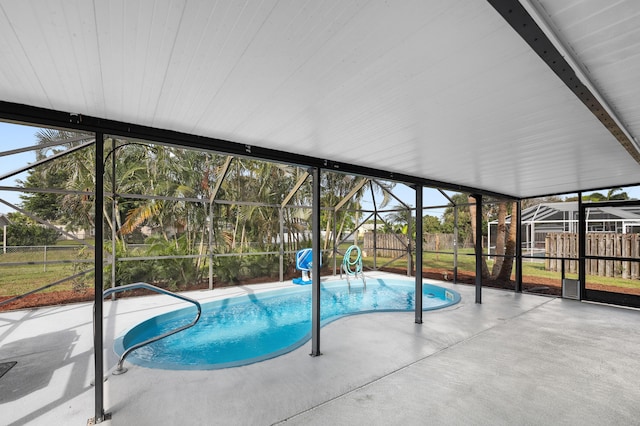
{"type": "Point", "coordinates": [387, 245]}
{"type": "Point", "coordinates": [607, 244]}
{"type": "Point", "coordinates": [394, 245]}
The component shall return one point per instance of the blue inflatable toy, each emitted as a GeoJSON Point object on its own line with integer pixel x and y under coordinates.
{"type": "Point", "coordinates": [304, 263]}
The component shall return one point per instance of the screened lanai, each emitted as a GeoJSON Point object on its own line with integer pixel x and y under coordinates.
{"type": "Point", "coordinates": [502, 100]}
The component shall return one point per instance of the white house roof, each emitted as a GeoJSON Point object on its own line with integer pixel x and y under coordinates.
{"type": "Point", "coordinates": [440, 90]}
{"type": "Point", "coordinates": [569, 211]}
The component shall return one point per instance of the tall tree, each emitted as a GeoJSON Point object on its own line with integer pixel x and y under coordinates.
{"type": "Point", "coordinates": [474, 225]}
{"type": "Point", "coordinates": [504, 274]}
{"type": "Point", "coordinates": [500, 239]}
{"type": "Point", "coordinates": [464, 221]}
{"type": "Point", "coordinates": [53, 175]}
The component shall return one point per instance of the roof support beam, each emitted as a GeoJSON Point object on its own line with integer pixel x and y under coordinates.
{"type": "Point", "coordinates": [561, 62]}
{"type": "Point", "coordinates": [45, 160]}
{"type": "Point", "coordinates": [295, 189]}
{"type": "Point", "coordinates": [383, 187]}
{"type": "Point", "coordinates": [44, 145]}
{"type": "Point", "coordinates": [221, 177]}
{"type": "Point", "coordinates": [350, 195]}
{"type": "Point", "coordinates": [46, 117]}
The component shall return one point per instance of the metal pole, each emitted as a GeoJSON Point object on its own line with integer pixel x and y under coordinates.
{"type": "Point", "coordinates": [409, 232]}
{"type": "Point", "coordinates": [335, 241]}
{"type": "Point", "coordinates": [518, 223]}
{"type": "Point", "coordinates": [4, 239]}
{"type": "Point", "coordinates": [281, 220]}
{"type": "Point", "coordinates": [114, 212]}
{"type": "Point", "coordinates": [375, 239]}
{"type": "Point", "coordinates": [211, 246]}
{"type": "Point", "coordinates": [478, 198]}
{"type": "Point", "coordinates": [315, 272]}
{"type": "Point", "coordinates": [418, 254]}
{"type": "Point", "coordinates": [98, 286]}
{"type": "Point", "coordinates": [44, 264]}
{"type": "Point", "coordinates": [582, 247]}
{"type": "Point", "coordinates": [455, 244]}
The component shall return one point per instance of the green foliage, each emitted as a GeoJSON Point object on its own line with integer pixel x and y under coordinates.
{"type": "Point", "coordinates": [431, 224]}
{"type": "Point", "coordinates": [45, 206]}
{"type": "Point", "coordinates": [25, 232]}
{"type": "Point", "coordinates": [263, 265]}
{"type": "Point", "coordinates": [613, 194]}
{"type": "Point", "coordinates": [174, 272]}
{"type": "Point", "coordinates": [464, 220]}
{"type": "Point", "coordinates": [127, 272]}
{"type": "Point", "coordinates": [227, 268]}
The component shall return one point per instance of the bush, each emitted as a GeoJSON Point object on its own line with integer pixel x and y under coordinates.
{"type": "Point", "coordinates": [173, 272]}
{"type": "Point", "coordinates": [23, 231]}
{"type": "Point", "coordinates": [127, 272]}
{"type": "Point", "coordinates": [227, 269]}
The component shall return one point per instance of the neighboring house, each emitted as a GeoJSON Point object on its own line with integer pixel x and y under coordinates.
{"type": "Point", "coordinates": [541, 219]}
{"type": "Point", "coordinates": [4, 222]}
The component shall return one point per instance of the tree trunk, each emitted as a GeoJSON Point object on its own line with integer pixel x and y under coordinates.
{"type": "Point", "coordinates": [472, 214]}
{"type": "Point", "coordinates": [510, 248]}
{"type": "Point", "coordinates": [327, 231]}
{"type": "Point", "coordinates": [500, 239]}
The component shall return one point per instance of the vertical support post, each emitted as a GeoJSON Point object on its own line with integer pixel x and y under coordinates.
{"type": "Point", "coordinates": [315, 272]}
{"type": "Point", "coordinates": [582, 247]}
{"type": "Point", "coordinates": [478, 198]}
{"type": "Point", "coordinates": [455, 244]}
{"type": "Point", "coordinates": [375, 238]}
{"type": "Point", "coordinates": [518, 223]}
{"type": "Point", "coordinates": [44, 264]}
{"type": "Point", "coordinates": [211, 245]}
{"type": "Point", "coordinates": [409, 233]}
{"type": "Point", "coordinates": [281, 245]}
{"type": "Point", "coordinates": [532, 237]}
{"type": "Point", "coordinates": [114, 211]}
{"type": "Point", "coordinates": [419, 231]}
{"type": "Point", "coordinates": [4, 239]}
{"type": "Point", "coordinates": [98, 285]}
{"type": "Point", "coordinates": [335, 241]}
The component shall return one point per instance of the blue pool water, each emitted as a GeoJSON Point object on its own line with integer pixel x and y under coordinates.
{"type": "Point", "coordinates": [247, 329]}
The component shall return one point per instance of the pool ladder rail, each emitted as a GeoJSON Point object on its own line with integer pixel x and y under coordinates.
{"type": "Point", "coordinates": [120, 369]}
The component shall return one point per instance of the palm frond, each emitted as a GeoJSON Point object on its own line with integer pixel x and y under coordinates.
{"type": "Point", "coordinates": [138, 216]}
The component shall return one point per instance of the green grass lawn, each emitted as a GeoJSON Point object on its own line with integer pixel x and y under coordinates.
{"type": "Point", "coordinates": [466, 262]}
{"type": "Point", "coordinates": [15, 280]}
{"type": "Point", "coordinates": [19, 279]}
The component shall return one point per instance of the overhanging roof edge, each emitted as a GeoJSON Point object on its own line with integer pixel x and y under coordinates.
{"type": "Point", "coordinates": [37, 115]}
{"type": "Point", "coordinates": [516, 15]}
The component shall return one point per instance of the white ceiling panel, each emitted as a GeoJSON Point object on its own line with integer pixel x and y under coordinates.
{"type": "Point", "coordinates": [441, 90]}
{"type": "Point", "coordinates": [604, 38]}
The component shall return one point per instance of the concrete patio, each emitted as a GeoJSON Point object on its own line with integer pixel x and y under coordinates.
{"type": "Point", "coordinates": [515, 359]}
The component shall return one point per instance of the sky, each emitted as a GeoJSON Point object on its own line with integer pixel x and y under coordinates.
{"type": "Point", "coordinates": [14, 136]}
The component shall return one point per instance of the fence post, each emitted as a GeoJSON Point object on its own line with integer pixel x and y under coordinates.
{"type": "Point", "coordinates": [609, 253]}
{"type": "Point", "coordinates": [45, 259]}
{"type": "Point", "coordinates": [547, 250]}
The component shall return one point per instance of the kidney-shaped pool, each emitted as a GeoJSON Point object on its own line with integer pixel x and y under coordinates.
{"type": "Point", "coordinates": [255, 327]}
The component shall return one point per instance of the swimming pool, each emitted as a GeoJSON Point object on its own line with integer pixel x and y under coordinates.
{"type": "Point", "coordinates": [255, 327]}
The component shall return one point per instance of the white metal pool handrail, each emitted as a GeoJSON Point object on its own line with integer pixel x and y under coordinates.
{"type": "Point", "coordinates": [120, 369]}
